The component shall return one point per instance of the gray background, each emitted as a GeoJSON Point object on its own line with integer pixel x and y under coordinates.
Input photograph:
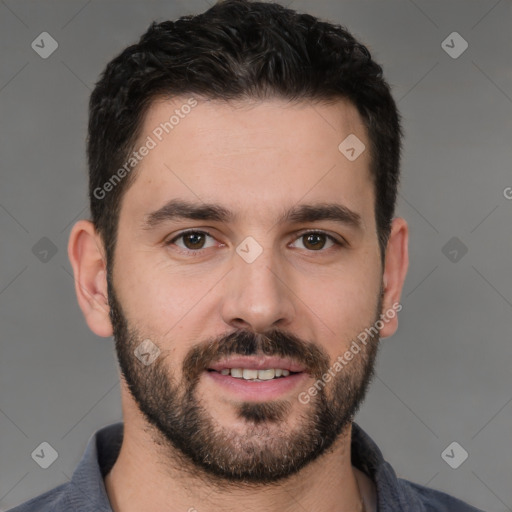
{"type": "Point", "coordinates": [445, 376]}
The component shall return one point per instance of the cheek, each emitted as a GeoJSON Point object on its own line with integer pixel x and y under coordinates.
{"type": "Point", "coordinates": [344, 305]}
{"type": "Point", "coordinates": [147, 298]}
{"type": "Point", "coordinates": [346, 308]}
{"type": "Point", "coordinates": [162, 303]}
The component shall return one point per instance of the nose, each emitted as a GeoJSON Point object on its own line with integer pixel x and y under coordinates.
{"type": "Point", "coordinates": [258, 296]}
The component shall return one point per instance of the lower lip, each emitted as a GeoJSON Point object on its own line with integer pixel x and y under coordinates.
{"type": "Point", "coordinates": [258, 391]}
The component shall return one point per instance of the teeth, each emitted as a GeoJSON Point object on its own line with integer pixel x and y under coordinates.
{"type": "Point", "coordinates": [258, 375]}
{"type": "Point", "coordinates": [266, 374]}
{"type": "Point", "coordinates": [250, 374]}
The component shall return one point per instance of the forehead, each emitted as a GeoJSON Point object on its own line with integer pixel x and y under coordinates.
{"type": "Point", "coordinates": [250, 155]}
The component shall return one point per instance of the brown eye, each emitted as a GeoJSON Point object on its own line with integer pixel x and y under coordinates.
{"type": "Point", "coordinates": [193, 241]}
{"type": "Point", "coordinates": [317, 240]}
{"type": "Point", "coordinates": [314, 241]}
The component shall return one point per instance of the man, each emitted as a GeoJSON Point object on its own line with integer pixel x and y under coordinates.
{"type": "Point", "coordinates": [243, 253]}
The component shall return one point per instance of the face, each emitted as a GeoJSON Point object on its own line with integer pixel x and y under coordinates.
{"type": "Point", "coordinates": [247, 254]}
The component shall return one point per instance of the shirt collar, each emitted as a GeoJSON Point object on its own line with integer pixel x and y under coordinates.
{"type": "Point", "coordinates": [88, 489]}
{"type": "Point", "coordinates": [87, 486]}
{"type": "Point", "coordinates": [393, 494]}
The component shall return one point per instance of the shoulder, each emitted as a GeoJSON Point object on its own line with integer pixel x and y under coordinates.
{"type": "Point", "coordinates": [436, 501]}
{"type": "Point", "coordinates": [50, 501]}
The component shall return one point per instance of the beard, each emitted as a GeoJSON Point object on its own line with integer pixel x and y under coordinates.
{"type": "Point", "coordinates": [267, 449]}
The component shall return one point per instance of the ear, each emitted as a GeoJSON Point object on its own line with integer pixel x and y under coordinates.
{"type": "Point", "coordinates": [87, 257]}
{"type": "Point", "coordinates": [395, 270]}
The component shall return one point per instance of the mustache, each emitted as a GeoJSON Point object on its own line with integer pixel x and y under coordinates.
{"type": "Point", "coordinates": [247, 343]}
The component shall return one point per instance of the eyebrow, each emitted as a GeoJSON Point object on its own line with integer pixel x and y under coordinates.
{"type": "Point", "coordinates": [177, 209]}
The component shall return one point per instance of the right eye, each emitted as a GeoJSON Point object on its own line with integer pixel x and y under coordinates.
{"type": "Point", "coordinates": [192, 241]}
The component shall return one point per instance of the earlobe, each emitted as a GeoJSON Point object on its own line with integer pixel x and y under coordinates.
{"type": "Point", "coordinates": [85, 252]}
{"type": "Point", "coordinates": [395, 271]}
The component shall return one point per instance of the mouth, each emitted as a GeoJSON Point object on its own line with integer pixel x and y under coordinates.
{"type": "Point", "coordinates": [254, 375]}
{"type": "Point", "coordinates": [257, 378]}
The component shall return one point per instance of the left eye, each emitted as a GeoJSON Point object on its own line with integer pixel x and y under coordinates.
{"type": "Point", "coordinates": [195, 241]}
{"type": "Point", "coordinates": [316, 240]}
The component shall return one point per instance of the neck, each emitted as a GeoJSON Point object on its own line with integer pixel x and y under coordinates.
{"type": "Point", "coordinates": [150, 464]}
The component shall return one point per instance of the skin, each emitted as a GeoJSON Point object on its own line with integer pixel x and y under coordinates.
{"type": "Point", "coordinates": [256, 159]}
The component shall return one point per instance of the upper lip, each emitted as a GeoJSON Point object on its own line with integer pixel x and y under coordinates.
{"type": "Point", "coordinates": [257, 363]}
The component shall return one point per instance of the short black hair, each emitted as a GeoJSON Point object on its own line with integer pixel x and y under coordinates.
{"type": "Point", "coordinates": [238, 50]}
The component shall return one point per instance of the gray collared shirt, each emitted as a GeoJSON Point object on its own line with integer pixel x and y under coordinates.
{"type": "Point", "coordinates": [85, 492]}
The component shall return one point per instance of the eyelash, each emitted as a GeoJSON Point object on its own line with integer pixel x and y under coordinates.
{"type": "Point", "coordinates": [198, 252]}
